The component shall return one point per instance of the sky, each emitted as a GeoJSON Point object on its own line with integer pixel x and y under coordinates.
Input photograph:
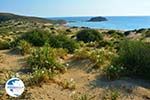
{"type": "Point", "coordinates": [64, 8]}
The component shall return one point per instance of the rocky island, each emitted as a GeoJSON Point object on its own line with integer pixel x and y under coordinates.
{"type": "Point", "coordinates": [97, 19]}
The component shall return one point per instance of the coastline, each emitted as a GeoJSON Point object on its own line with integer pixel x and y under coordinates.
{"type": "Point", "coordinates": [125, 23]}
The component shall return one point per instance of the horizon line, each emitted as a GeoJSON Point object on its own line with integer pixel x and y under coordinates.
{"type": "Point", "coordinates": [76, 15]}
{"type": "Point", "coordinates": [100, 16]}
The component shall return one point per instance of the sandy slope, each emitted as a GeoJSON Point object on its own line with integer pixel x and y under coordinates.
{"type": "Point", "coordinates": [87, 82]}
{"type": "Point", "coordinates": [91, 85]}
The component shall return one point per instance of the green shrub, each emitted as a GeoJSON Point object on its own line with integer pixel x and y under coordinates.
{"type": "Point", "coordinates": [135, 57]}
{"type": "Point", "coordinates": [60, 52]}
{"type": "Point", "coordinates": [44, 57]}
{"type": "Point", "coordinates": [105, 43]}
{"type": "Point", "coordinates": [39, 38]}
{"type": "Point", "coordinates": [89, 35]}
{"type": "Point", "coordinates": [82, 53]}
{"type": "Point", "coordinates": [140, 30]}
{"type": "Point", "coordinates": [101, 57]}
{"type": "Point", "coordinates": [114, 72]}
{"type": "Point", "coordinates": [24, 47]}
{"type": "Point", "coordinates": [62, 41]}
{"type": "Point", "coordinates": [40, 76]}
{"type": "Point", "coordinates": [4, 45]}
{"type": "Point", "coordinates": [68, 30]}
{"type": "Point", "coordinates": [127, 33]}
{"type": "Point", "coordinates": [92, 44]}
{"type": "Point", "coordinates": [147, 33]}
{"type": "Point", "coordinates": [113, 32]}
{"type": "Point", "coordinates": [36, 37]}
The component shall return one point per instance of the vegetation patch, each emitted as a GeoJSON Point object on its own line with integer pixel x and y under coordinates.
{"type": "Point", "coordinates": [36, 37]}
{"type": "Point", "coordinates": [4, 45]}
{"type": "Point", "coordinates": [134, 57]}
{"type": "Point", "coordinates": [115, 72]}
{"type": "Point", "coordinates": [114, 33]}
{"type": "Point", "coordinates": [147, 33]}
{"type": "Point", "coordinates": [39, 38]}
{"type": "Point", "coordinates": [89, 35]}
{"type": "Point", "coordinates": [40, 76]}
{"type": "Point", "coordinates": [45, 64]}
{"type": "Point", "coordinates": [82, 53]}
{"type": "Point", "coordinates": [44, 57]}
{"type": "Point", "coordinates": [24, 47]}
{"type": "Point", "coordinates": [62, 41]}
{"type": "Point", "coordinates": [101, 57]}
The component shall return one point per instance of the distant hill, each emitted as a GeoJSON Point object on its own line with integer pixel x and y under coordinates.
{"type": "Point", "coordinates": [9, 16]}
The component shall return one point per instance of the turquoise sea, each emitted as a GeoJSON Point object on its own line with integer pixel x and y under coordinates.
{"type": "Point", "coordinates": [114, 22]}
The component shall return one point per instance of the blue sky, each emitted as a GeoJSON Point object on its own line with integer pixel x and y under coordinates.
{"type": "Point", "coordinates": [53, 8]}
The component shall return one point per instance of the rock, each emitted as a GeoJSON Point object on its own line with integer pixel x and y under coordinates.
{"type": "Point", "coordinates": [97, 19]}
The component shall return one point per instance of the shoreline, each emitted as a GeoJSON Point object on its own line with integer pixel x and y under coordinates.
{"type": "Point", "coordinates": [124, 23]}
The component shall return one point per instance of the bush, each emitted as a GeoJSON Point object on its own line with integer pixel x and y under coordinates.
{"type": "Point", "coordinates": [114, 72]}
{"type": "Point", "coordinates": [113, 32]}
{"type": "Point", "coordinates": [62, 41]}
{"type": "Point", "coordinates": [135, 57]}
{"type": "Point", "coordinates": [68, 30]}
{"type": "Point", "coordinates": [4, 45]}
{"type": "Point", "coordinates": [91, 44]}
{"type": "Point", "coordinates": [83, 53]}
{"type": "Point", "coordinates": [147, 33]}
{"type": "Point", "coordinates": [44, 57]}
{"type": "Point", "coordinates": [36, 37]}
{"type": "Point", "coordinates": [39, 38]}
{"type": "Point", "coordinates": [24, 47]}
{"type": "Point", "coordinates": [60, 52]}
{"type": "Point", "coordinates": [40, 76]}
{"type": "Point", "coordinates": [127, 33]}
{"type": "Point", "coordinates": [140, 30]}
{"type": "Point", "coordinates": [89, 35]}
{"type": "Point", "coordinates": [105, 43]}
{"type": "Point", "coordinates": [101, 57]}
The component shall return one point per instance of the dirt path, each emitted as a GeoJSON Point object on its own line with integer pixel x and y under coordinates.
{"type": "Point", "coordinates": [10, 61]}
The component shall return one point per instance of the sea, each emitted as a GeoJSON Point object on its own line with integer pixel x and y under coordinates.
{"type": "Point", "coordinates": [114, 22]}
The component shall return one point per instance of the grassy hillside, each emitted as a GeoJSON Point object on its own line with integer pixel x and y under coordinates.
{"type": "Point", "coordinates": [9, 16]}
